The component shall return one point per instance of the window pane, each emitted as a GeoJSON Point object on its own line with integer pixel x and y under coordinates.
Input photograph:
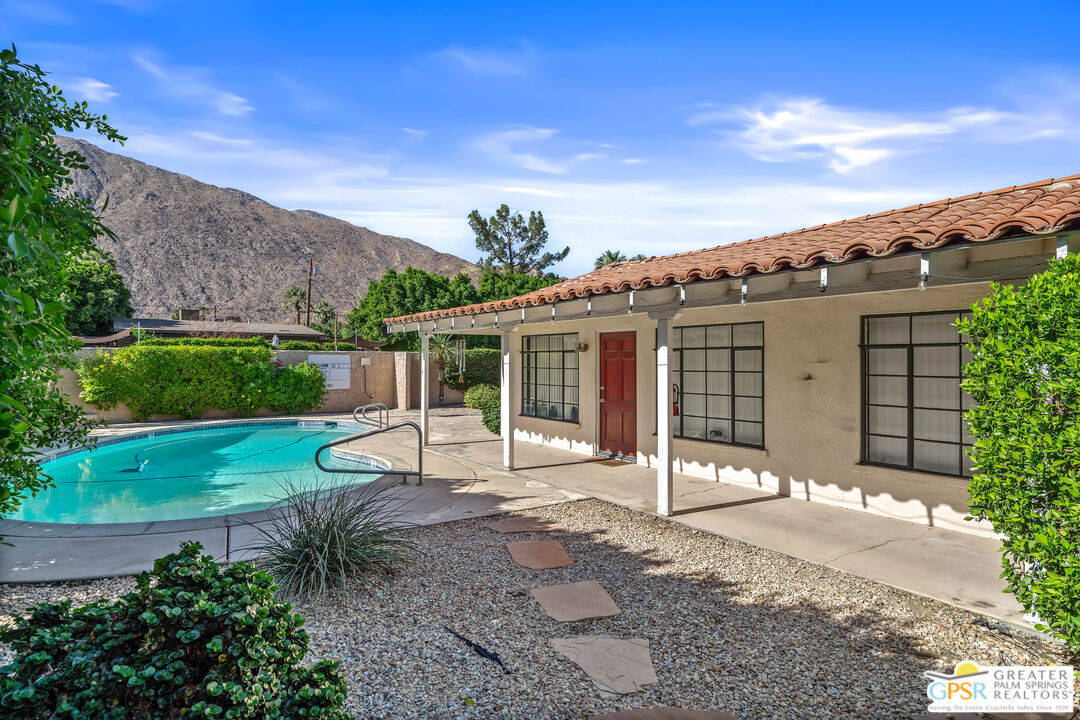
{"type": "Point", "coordinates": [937, 393]}
{"type": "Point", "coordinates": [693, 382]}
{"type": "Point", "coordinates": [887, 330]}
{"type": "Point", "coordinates": [693, 337]}
{"type": "Point", "coordinates": [965, 462]}
{"type": "Point", "coordinates": [676, 337]}
{"type": "Point", "coordinates": [748, 384]}
{"type": "Point", "coordinates": [718, 336]}
{"type": "Point", "coordinates": [748, 409]}
{"type": "Point", "coordinates": [693, 360]}
{"type": "Point", "coordinates": [887, 361]}
{"type": "Point", "coordinates": [719, 407]}
{"type": "Point", "coordinates": [937, 361]}
{"type": "Point", "coordinates": [693, 427]}
{"type": "Point", "coordinates": [749, 433]}
{"type": "Point", "coordinates": [887, 451]}
{"type": "Point", "coordinates": [937, 457]}
{"type": "Point", "coordinates": [718, 383]}
{"type": "Point", "coordinates": [570, 341]}
{"type": "Point", "coordinates": [748, 334]}
{"type": "Point", "coordinates": [887, 420]}
{"type": "Point", "coordinates": [570, 359]}
{"type": "Point", "coordinates": [720, 430]}
{"type": "Point", "coordinates": [693, 405]}
{"type": "Point", "coordinates": [943, 425]}
{"type": "Point", "coordinates": [936, 328]}
{"type": "Point", "coordinates": [556, 411]}
{"type": "Point", "coordinates": [886, 391]}
{"type": "Point", "coordinates": [719, 359]}
{"type": "Point", "coordinates": [747, 359]}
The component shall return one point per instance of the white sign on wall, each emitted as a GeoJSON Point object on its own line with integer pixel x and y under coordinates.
{"type": "Point", "coordinates": [335, 368]}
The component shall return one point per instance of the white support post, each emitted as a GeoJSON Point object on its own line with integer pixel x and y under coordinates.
{"type": "Point", "coordinates": [506, 424]}
{"type": "Point", "coordinates": [424, 385]}
{"type": "Point", "coordinates": [664, 423]}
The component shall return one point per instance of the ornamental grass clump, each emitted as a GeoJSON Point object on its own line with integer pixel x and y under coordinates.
{"type": "Point", "coordinates": [1024, 377]}
{"type": "Point", "coordinates": [194, 640]}
{"type": "Point", "coordinates": [322, 538]}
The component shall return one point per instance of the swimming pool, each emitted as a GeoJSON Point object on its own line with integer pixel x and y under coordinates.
{"type": "Point", "coordinates": [188, 472]}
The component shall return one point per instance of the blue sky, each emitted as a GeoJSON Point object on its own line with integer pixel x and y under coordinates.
{"type": "Point", "coordinates": [644, 127]}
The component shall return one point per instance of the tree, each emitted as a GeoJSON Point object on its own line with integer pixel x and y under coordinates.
{"type": "Point", "coordinates": [98, 296]}
{"type": "Point", "coordinates": [496, 286]}
{"type": "Point", "coordinates": [510, 245]}
{"type": "Point", "coordinates": [47, 230]}
{"type": "Point", "coordinates": [324, 313]}
{"type": "Point", "coordinates": [613, 256]}
{"type": "Point", "coordinates": [295, 298]}
{"type": "Point", "coordinates": [1024, 378]}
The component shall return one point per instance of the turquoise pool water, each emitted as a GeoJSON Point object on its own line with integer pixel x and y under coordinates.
{"type": "Point", "coordinates": [188, 474]}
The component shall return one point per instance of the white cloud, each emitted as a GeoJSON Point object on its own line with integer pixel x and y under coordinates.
{"type": "Point", "coordinates": [633, 161]}
{"type": "Point", "coordinates": [503, 146]}
{"type": "Point", "coordinates": [492, 63]}
{"type": "Point", "coordinates": [845, 139]}
{"type": "Point", "coordinates": [193, 84]}
{"type": "Point", "coordinates": [92, 90]}
{"type": "Point", "coordinates": [414, 134]}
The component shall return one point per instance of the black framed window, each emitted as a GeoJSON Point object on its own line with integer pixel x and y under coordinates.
{"type": "Point", "coordinates": [719, 373]}
{"type": "Point", "coordinates": [549, 376]}
{"type": "Point", "coordinates": [913, 407]}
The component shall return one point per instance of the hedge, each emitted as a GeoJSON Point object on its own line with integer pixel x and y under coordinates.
{"type": "Point", "coordinates": [187, 380]}
{"type": "Point", "coordinates": [481, 368]}
{"type": "Point", "coordinates": [488, 400]}
{"type": "Point", "coordinates": [207, 342]}
{"type": "Point", "coordinates": [311, 345]}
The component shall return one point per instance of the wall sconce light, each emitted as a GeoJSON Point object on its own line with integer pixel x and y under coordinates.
{"type": "Point", "coordinates": [582, 347]}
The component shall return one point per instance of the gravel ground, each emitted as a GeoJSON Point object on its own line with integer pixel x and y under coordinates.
{"type": "Point", "coordinates": [731, 627]}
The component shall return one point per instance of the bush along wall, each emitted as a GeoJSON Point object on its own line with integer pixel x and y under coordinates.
{"type": "Point", "coordinates": [486, 399]}
{"type": "Point", "coordinates": [481, 368]}
{"type": "Point", "coordinates": [312, 345]}
{"type": "Point", "coordinates": [208, 342]}
{"type": "Point", "coordinates": [186, 380]}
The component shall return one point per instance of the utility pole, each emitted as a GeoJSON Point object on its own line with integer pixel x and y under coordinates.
{"type": "Point", "coordinates": [310, 271]}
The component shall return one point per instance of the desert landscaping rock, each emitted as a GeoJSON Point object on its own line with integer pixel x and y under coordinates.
{"type": "Point", "coordinates": [614, 665]}
{"type": "Point", "coordinates": [586, 600]}
{"type": "Point", "coordinates": [665, 713]}
{"type": "Point", "coordinates": [539, 554]}
{"type": "Point", "coordinates": [730, 627]}
{"type": "Point", "coordinates": [524, 523]}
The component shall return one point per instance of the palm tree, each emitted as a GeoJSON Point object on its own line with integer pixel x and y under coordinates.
{"type": "Point", "coordinates": [442, 351]}
{"type": "Point", "coordinates": [613, 256]}
{"type": "Point", "coordinates": [295, 298]}
{"type": "Point", "coordinates": [324, 312]}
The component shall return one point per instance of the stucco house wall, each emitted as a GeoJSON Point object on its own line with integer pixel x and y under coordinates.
{"type": "Point", "coordinates": [812, 405]}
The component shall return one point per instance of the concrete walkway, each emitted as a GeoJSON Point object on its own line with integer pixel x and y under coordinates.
{"type": "Point", "coordinates": [946, 565]}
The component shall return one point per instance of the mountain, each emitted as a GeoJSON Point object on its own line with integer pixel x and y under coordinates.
{"type": "Point", "coordinates": [183, 243]}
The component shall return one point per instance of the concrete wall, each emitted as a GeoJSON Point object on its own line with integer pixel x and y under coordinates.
{"type": "Point", "coordinates": [390, 378]}
{"type": "Point", "coordinates": [812, 364]}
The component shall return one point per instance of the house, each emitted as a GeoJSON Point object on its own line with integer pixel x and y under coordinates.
{"type": "Point", "coordinates": [210, 328]}
{"type": "Point", "coordinates": [820, 363]}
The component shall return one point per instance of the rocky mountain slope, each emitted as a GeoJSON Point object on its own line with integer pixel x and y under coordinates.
{"type": "Point", "coordinates": [183, 243]}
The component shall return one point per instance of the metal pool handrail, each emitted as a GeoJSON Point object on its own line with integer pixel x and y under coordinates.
{"type": "Point", "coordinates": [363, 411]}
{"type": "Point", "coordinates": [418, 472]}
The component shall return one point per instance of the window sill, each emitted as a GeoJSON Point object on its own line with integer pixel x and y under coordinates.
{"type": "Point", "coordinates": [748, 450]}
{"type": "Point", "coordinates": [925, 476]}
{"type": "Point", "coordinates": [572, 423]}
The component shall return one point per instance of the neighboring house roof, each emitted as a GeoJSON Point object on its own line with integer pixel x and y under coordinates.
{"type": "Point", "coordinates": [1039, 208]}
{"type": "Point", "coordinates": [212, 327]}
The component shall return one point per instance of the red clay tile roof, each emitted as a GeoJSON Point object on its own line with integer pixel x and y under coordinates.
{"type": "Point", "coordinates": [1039, 208]}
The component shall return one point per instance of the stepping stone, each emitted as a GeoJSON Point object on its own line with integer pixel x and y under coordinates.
{"type": "Point", "coordinates": [665, 713]}
{"type": "Point", "coordinates": [539, 555]}
{"type": "Point", "coordinates": [576, 601]}
{"type": "Point", "coordinates": [524, 523]}
{"type": "Point", "coordinates": [615, 666]}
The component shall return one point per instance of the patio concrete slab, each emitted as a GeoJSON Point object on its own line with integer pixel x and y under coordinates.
{"type": "Point", "coordinates": [665, 713]}
{"type": "Point", "coordinates": [586, 600]}
{"type": "Point", "coordinates": [539, 555]}
{"type": "Point", "coordinates": [615, 666]}
{"type": "Point", "coordinates": [524, 523]}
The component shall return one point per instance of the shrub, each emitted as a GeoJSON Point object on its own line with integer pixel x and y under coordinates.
{"type": "Point", "coordinates": [312, 345]}
{"type": "Point", "coordinates": [194, 640]}
{"type": "Point", "coordinates": [488, 400]}
{"type": "Point", "coordinates": [1024, 378]}
{"type": "Point", "coordinates": [323, 537]}
{"type": "Point", "coordinates": [258, 341]}
{"type": "Point", "coordinates": [482, 367]}
{"type": "Point", "coordinates": [99, 297]}
{"type": "Point", "coordinates": [186, 380]}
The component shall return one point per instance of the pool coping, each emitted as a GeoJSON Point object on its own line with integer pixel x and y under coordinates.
{"type": "Point", "coordinates": [37, 529]}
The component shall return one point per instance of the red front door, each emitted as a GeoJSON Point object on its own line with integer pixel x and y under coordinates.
{"type": "Point", "coordinates": [618, 393]}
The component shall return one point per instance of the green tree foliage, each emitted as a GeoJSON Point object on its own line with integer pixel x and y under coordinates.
{"type": "Point", "coordinates": [1024, 377]}
{"type": "Point", "coordinates": [482, 367]}
{"type": "Point", "coordinates": [295, 298]}
{"type": "Point", "coordinates": [185, 380]}
{"type": "Point", "coordinates": [322, 317]}
{"type": "Point", "coordinates": [195, 639]}
{"type": "Point", "coordinates": [500, 286]}
{"type": "Point", "coordinates": [98, 296]}
{"type": "Point", "coordinates": [510, 245]}
{"type": "Point", "coordinates": [45, 230]}
{"type": "Point", "coordinates": [486, 399]}
{"type": "Point", "coordinates": [613, 256]}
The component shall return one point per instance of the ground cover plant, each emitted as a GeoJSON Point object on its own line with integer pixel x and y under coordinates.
{"type": "Point", "coordinates": [1024, 378]}
{"type": "Point", "coordinates": [321, 538]}
{"type": "Point", "coordinates": [185, 380]}
{"type": "Point", "coordinates": [195, 639]}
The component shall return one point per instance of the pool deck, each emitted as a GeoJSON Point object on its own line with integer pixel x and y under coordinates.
{"type": "Point", "coordinates": [464, 478]}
